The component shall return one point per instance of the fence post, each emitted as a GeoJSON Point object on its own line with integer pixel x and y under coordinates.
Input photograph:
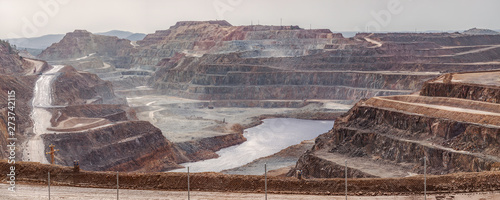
{"type": "Point", "coordinates": [117, 186]}
{"type": "Point", "coordinates": [345, 175]}
{"type": "Point", "coordinates": [265, 178]}
{"type": "Point", "coordinates": [189, 195]}
{"type": "Point", "coordinates": [425, 177]}
{"type": "Point", "coordinates": [49, 183]}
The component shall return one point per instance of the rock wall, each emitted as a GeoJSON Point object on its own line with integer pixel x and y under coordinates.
{"type": "Point", "coordinates": [465, 91]}
{"type": "Point", "coordinates": [198, 38]}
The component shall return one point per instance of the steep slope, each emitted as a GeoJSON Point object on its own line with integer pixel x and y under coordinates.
{"type": "Point", "coordinates": [10, 61]}
{"type": "Point", "coordinates": [214, 77]}
{"type": "Point", "coordinates": [123, 146]}
{"type": "Point", "coordinates": [16, 94]}
{"type": "Point", "coordinates": [22, 87]}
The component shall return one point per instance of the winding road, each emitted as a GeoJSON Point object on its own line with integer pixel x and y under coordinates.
{"type": "Point", "coordinates": [376, 43]}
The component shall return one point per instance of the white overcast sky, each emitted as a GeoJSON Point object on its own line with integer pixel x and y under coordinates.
{"type": "Point", "coordinates": [28, 18]}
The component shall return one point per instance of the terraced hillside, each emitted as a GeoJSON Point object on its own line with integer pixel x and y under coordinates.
{"type": "Point", "coordinates": [454, 124]}
{"type": "Point", "coordinates": [213, 60]}
{"type": "Point", "coordinates": [196, 80]}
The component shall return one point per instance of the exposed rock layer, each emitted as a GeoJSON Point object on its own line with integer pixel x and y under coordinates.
{"type": "Point", "coordinates": [74, 88]}
{"type": "Point", "coordinates": [452, 127]}
{"type": "Point", "coordinates": [124, 146]}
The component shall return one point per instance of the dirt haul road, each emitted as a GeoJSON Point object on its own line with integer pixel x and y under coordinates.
{"type": "Point", "coordinates": [29, 192]}
{"type": "Point", "coordinates": [34, 147]}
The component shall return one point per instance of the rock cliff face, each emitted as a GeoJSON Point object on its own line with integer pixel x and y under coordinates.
{"type": "Point", "coordinates": [82, 43]}
{"type": "Point", "coordinates": [455, 132]}
{"type": "Point", "coordinates": [471, 89]}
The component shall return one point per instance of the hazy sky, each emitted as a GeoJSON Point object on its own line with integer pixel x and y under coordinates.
{"type": "Point", "coordinates": [28, 18]}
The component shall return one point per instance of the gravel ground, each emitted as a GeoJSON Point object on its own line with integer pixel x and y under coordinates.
{"type": "Point", "coordinates": [40, 192]}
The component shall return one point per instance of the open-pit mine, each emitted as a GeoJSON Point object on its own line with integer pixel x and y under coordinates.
{"type": "Point", "coordinates": [389, 105]}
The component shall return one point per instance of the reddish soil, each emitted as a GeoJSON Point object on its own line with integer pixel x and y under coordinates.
{"type": "Point", "coordinates": [216, 182]}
